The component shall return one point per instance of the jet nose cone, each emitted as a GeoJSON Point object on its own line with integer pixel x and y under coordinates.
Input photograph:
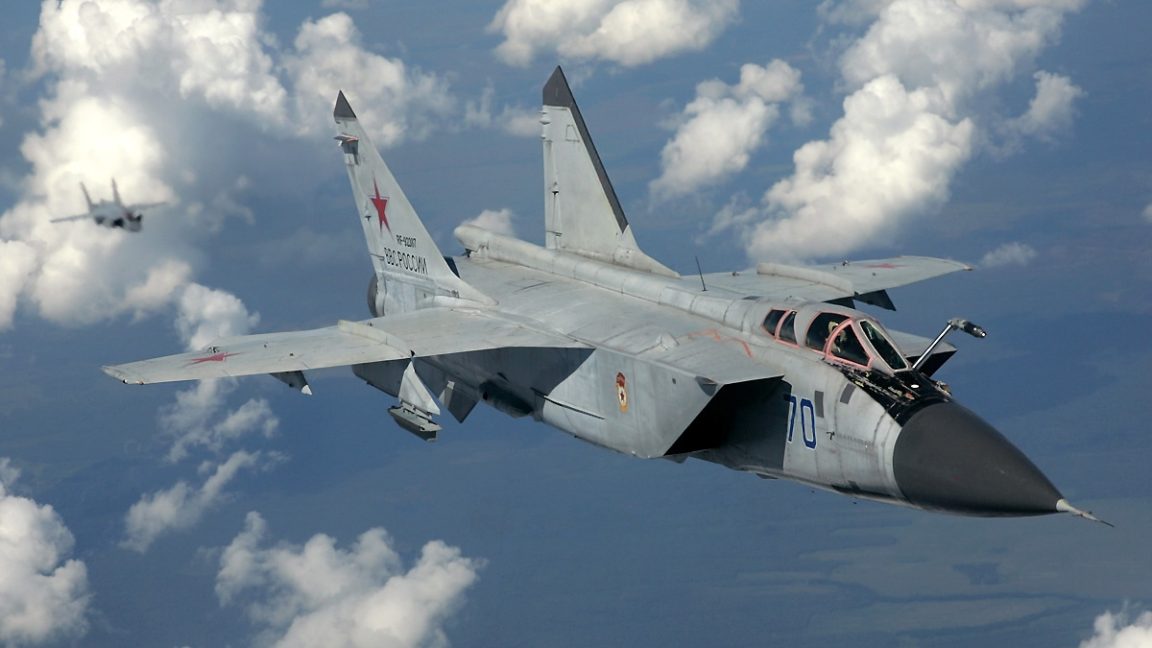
{"type": "Point", "coordinates": [948, 458]}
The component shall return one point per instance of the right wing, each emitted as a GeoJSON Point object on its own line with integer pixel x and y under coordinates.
{"type": "Point", "coordinates": [427, 332]}
{"type": "Point", "coordinates": [139, 207]}
{"type": "Point", "coordinates": [71, 218]}
{"type": "Point", "coordinates": [866, 281]}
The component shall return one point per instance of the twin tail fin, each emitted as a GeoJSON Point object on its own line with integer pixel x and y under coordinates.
{"type": "Point", "coordinates": [582, 214]}
{"type": "Point", "coordinates": [408, 264]}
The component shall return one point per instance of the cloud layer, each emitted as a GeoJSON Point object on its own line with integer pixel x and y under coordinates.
{"type": "Point", "coordinates": [43, 594]}
{"type": "Point", "coordinates": [319, 594]}
{"type": "Point", "coordinates": [627, 32]}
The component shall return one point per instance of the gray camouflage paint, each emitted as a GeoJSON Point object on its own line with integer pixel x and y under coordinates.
{"type": "Point", "coordinates": [593, 337]}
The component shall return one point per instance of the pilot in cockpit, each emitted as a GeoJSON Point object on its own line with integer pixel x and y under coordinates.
{"type": "Point", "coordinates": [846, 345]}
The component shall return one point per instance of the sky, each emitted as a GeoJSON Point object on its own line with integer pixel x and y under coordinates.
{"type": "Point", "coordinates": [1010, 134]}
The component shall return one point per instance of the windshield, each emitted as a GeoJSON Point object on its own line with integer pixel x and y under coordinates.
{"type": "Point", "coordinates": [788, 328]}
{"type": "Point", "coordinates": [883, 346]}
{"type": "Point", "coordinates": [772, 321]}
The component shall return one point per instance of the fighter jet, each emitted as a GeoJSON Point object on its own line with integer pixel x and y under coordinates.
{"type": "Point", "coordinates": [770, 370]}
{"type": "Point", "coordinates": [114, 213]}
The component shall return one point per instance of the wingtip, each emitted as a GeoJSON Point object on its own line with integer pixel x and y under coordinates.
{"type": "Point", "coordinates": [118, 374]}
{"type": "Point", "coordinates": [343, 109]}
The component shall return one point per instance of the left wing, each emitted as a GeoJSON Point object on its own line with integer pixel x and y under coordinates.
{"type": "Point", "coordinates": [865, 281]}
{"type": "Point", "coordinates": [427, 332]}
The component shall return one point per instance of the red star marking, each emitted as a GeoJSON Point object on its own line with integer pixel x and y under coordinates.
{"type": "Point", "coordinates": [215, 357]}
{"type": "Point", "coordinates": [883, 265]}
{"type": "Point", "coordinates": [381, 203]}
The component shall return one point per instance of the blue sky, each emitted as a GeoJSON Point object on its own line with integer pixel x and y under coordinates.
{"type": "Point", "coordinates": [1007, 133]}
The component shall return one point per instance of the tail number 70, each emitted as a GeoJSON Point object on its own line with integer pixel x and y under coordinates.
{"type": "Point", "coordinates": [807, 420]}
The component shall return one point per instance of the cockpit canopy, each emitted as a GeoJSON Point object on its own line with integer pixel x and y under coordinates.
{"type": "Point", "coordinates": [844, 335]}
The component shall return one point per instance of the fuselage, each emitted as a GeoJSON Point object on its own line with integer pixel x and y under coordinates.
{"type": "Point", "coordinates": [840, 419]}
{"type": "Point", "coordinates": [111, 214]}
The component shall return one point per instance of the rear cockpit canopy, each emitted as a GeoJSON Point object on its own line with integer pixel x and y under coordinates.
{"type": "Point", "coordinates": [844, 336]}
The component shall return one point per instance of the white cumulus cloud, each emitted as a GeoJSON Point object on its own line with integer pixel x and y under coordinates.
{"type": "Point", "coordinates": [320, 594]}
{"type": "Point", "coordinates": [43, 593]}
{"type": "Point", "coordinates": [1117, 631]}
{"type": "Point", "coordinates": [393, 100]}
{"type": "Point", "coordinates": [494, 220]}
{"type": "Point", "coordinates": [206, 314]}
{"type": "Point", "coordinates": [129, 89]}
{"type": "Point", "coordinates": [198, 418]}
{"type": "Point", "coordinates": [721, 128]}
{"type": "Point", "coordinates": [182, 505]}
{"type": "Point", "coordinates": [916, 81]}
{"type": "Point", "coordinates": [1049, 114]}
{"type": "Point", "coordinates": [209, 49]}
{"type": "Point", "coordinates": [521, 122]}
{"type": "Point", "coordinates": [1019, 254]}
{"type": "Point", "coordinates": [628, 32]}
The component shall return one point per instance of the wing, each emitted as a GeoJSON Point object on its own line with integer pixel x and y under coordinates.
{"type": "Point", "coordinates": [71, 218]}
{"type": "Point", "coordinates": [142, 206]}
{"type": "Point", "coordinates": [865, 281]}
{"type": "Point", "coordinates": [428, 332]}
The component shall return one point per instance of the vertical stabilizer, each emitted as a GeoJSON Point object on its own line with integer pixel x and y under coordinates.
{"type": "Point", "coordinates": [409, 266]}
{"type": "Point", "coordinates": [581, 211]}
{"type": "Point", "coordinates": [87, 198]}
{"type": "Point", "coordinates": [116, 193]}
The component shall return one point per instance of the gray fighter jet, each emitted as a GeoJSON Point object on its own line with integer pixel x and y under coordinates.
{"type": "Point", "coordinates": [114, 213]}
{"type": "Point", "coordinates": [770, 370]}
